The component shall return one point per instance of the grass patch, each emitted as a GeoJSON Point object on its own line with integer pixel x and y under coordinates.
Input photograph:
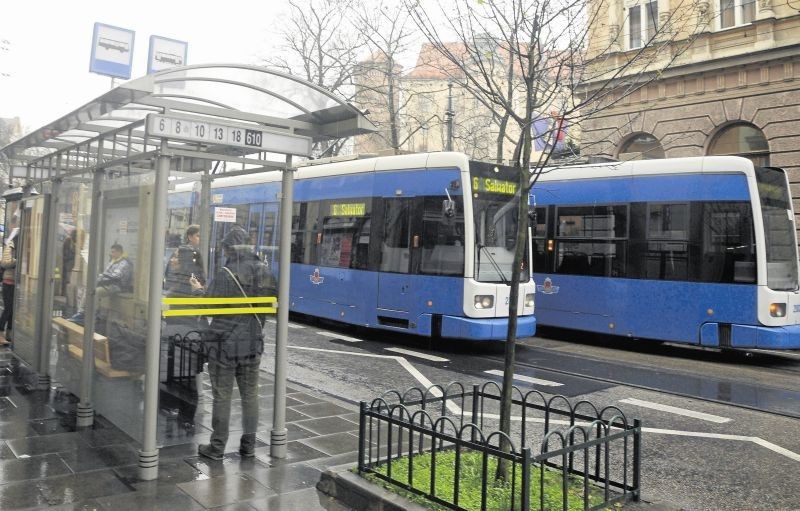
{"type": "Point", "coordinates": [498, 494]}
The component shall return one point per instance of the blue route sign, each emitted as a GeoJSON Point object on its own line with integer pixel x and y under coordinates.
{"type": "Point", "coordinates": [112, 51]}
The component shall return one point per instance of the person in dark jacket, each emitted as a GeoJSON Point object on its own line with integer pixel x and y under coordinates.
{"type": "Point", "coordinates": [180, 394]}
{"type": "Point", "coordinates": [67, 260]}
{"type": "Point", "coordinates": [185, 262]}
{"type": "Point", "coordinates": [116, 278]}
{"type": "Point", "coordinates": [235, 343]}
{"type": "Point", "coordinates": [183, 265]}
{"type": "Point", "coordinates": [193, 242]}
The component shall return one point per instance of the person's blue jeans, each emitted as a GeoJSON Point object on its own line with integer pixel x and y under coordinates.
{"type": "Point", "coordinates": [222, 374]}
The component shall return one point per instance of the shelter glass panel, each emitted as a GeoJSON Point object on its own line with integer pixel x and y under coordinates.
{"type": "Point", "coordinates": [121, 297]}
{"type": "Point", "coordinates": [73, 214]}
{"type": "Point", "coordinates": [27, 248]}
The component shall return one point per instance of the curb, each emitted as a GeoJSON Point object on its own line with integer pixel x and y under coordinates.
{"type": "Point", "coordinates": [656, 505]}
{"type": "Point", "coordinates": [359, 494]}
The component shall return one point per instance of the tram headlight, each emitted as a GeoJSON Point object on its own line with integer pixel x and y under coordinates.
{"type": "Point", "coordinates": [529, 300]}
{"type": "Point", "coordinates": [777, 310]}
{"type": "Point", "coordinates": [484, 301]}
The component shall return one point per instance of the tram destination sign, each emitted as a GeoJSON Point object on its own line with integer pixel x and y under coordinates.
{"type": "Point", "coordinates": [201, 130]}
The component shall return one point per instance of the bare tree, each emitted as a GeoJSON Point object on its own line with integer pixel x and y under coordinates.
{"type": "Point", "coordinates": [525, 59]}
{"type": "Point", "coordinates": [10, 130]}
{"type": "Point", "coordinates": [321, 43]}
{"type": "Point", "coordinates": [380, 86]}
{"type": "Point", "coordinates": [476, 128]}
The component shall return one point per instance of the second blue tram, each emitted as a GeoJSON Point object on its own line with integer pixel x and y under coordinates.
{"type": "Point", "coordinates": [690, 250]}
{"type": "Point", "coordinates": [418, 243]}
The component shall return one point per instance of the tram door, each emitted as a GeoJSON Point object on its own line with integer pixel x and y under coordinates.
{"type": "Point", "coordinates": [395, 285]}
{"type": "Point", "coordinates": [268, 241]}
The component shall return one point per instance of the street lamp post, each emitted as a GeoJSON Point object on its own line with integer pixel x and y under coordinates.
{"type": "Point", "coordinates": [449, 114]}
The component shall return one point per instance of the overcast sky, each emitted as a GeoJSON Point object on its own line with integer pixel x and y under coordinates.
{"type": "Point", "coordinates": [49, 45]}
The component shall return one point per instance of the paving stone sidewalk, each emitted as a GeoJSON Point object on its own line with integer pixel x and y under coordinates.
{"type": "Point", "coordinates": [47, 463]}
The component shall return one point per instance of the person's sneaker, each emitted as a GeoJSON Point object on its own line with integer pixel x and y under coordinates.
{"type": "Point", "coordinates": [209, 452]}
{"type": "Point", "coordinates": [77, 318]}
{"type": "Point", "coordinates": [247, 445]}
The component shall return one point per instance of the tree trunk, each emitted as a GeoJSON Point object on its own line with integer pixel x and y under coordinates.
{"type": "Point", "coordinates": [513, 304]}
{"type": "Point", "coordinates": [521, 164]}
{"type": "Point", "coordinates": [501, 136]}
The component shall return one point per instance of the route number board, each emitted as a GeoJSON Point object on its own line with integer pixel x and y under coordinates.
{"type": "Point", "coordinates": [195, 130]}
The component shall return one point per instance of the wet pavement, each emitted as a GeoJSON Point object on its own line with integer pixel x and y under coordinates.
{"type": "Point", "coordinates": [48, 463]}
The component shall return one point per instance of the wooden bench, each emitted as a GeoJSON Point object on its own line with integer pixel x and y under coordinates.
{"type": "Point", "coordinates": [102, 355]}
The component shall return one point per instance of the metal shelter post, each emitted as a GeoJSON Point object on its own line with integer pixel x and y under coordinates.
{"type": "Point", "coordinates": [85, 407]}
{"type": "Point", "coordinates": [277, 448]}
{"type": "Point", "coordinates": [205, 220]}
{"type": "Point", "coordinates": [46, 304]}
{"type": "Point", "coordinates": [148, 455]}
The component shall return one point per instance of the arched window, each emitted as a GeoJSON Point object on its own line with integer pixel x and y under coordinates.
{"type": "Point", "coordinates": [641, 146]}
{"type": "Point", "coordinates": [741, 139]}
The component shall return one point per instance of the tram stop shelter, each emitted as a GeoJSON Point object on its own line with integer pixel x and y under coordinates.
{"type": "Point", "coordinates": [134, 167]}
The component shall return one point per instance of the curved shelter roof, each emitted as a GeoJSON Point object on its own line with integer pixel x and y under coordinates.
{"type": "Point", "coordinates": [111, 127]}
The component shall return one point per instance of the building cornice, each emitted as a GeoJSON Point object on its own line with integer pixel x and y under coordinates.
{"type": "Point", "coordinates": [698, 98]}
{"type": "Point", "coordinates": [706, 66]}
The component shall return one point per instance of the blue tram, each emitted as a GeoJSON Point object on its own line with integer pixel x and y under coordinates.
{"type": "Point", "coordinates": [691, 250]}
{"type": "Point", "coordinates": [418, 243]}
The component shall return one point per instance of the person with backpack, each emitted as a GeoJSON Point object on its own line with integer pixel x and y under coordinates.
{"type": "Point", "coordinates": [234, 343]}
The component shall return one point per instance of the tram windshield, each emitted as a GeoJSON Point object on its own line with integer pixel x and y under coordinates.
{"type": "Point", "coordinates": [779, 229]}
{"type": "Point", "coordinates": [495, 207]}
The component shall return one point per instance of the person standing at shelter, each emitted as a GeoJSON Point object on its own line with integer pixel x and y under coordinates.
{"type": "Point", "coordinates": [180, 393]}
{"type": "Point", "coordinates": [193, 241]}
{"type": "Point", "coordinates": [8, 264]}
{"type": "Point", "coordinates": [67, 260]}
{"type": "Point", "coordinates": [184, 263]}
{"type": "Point", "coordinates": [235, 343]}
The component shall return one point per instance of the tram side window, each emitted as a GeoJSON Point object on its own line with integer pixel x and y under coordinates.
{"type": "Point", "coordinates": [360, 259]}
{"type": "Point", "coordinates": [592, 240]}
{"type": "Point", "coordinates": [667, 254]}
{"type": "Point", "coordinates": [304, 232]}
{"type": "Point", "coordinates": [728, 243]}
{"type": "Point", "coordinates": [442, 238]}
{"type": "Point", "coordinates": [253, 226]}
{"type": "Point", "coordinates": [541, 259]}
{"type": "Point", "coordinates": [177, 222]}
{"type": "Point", "coordinates": [395, 252]}
{"type": "Point", "coordinates": [345, 235]}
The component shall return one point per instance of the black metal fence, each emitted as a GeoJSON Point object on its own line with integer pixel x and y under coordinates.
{"type": "Point", "coordinates": [596, 453]}
{"type": "Point", "coordinates": [185, 358]}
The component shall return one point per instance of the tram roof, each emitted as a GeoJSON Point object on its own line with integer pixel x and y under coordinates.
{"type": "Point", "coordinates": [248, 95]}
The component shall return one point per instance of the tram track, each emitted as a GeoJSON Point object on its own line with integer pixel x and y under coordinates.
{"type": "Point", "coordinates": [768, 392]}
{"type": "Point", "coordinates": [628, 373]}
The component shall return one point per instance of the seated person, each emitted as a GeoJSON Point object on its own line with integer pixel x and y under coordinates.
{"type": "Point", "coordinates": [116, 278]}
